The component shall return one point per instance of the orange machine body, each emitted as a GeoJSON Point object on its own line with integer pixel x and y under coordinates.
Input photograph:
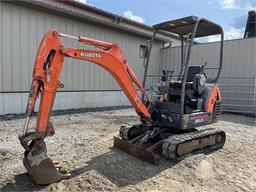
{"type": "Point", "coordinates": [214, 95]}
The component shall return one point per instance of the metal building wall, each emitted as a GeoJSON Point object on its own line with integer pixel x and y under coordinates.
{"type": "Point", "coordinates": [237, 80]}
{"type": "Point", "coordinates": [86, 85]}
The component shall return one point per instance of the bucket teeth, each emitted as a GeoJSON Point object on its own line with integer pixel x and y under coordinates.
{"type": "Point", "coordinates": [40, 167]}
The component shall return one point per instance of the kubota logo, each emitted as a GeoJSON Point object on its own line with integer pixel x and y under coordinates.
{"type": "Point", "coordinates": [93, 55]}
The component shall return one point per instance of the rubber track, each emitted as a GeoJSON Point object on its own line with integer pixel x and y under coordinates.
{"type": "Point", "coordinates": [170, 145]}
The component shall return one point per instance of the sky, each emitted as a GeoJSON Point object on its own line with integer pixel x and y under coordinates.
{"type": "Point", "coordinates": [230, 14]}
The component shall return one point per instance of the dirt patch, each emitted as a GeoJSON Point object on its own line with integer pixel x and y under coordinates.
{"type": "Point", "coordinates": [83, 145]}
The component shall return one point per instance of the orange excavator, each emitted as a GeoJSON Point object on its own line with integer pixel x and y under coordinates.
{"type": "Point", "coordinates": [168, 120]}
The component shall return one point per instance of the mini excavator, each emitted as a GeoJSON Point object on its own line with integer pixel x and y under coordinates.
{"type": "Point", "coordinates": [168, 120]}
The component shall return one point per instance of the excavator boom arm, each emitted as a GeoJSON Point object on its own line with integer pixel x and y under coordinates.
{"type": "Point", "coordinates": [48, 66]}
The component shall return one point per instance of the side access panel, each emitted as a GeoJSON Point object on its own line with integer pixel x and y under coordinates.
{"type": "Point", "coordinates": [186, 121]}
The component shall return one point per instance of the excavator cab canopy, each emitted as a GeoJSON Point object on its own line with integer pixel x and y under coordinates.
{"type": "Point", "coordinates": [187, 28]}
{"type": "Point", "coordinates": [184, 26]}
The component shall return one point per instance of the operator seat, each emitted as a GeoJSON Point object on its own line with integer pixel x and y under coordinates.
{"type": "Point", "coordinates": [192, 71]}
{"type": "Point", "coordinates": [195, 85]}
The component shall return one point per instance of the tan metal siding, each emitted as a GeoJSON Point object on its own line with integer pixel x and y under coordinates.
{"type": "Point", "coordinates": [21, 31]}
{"type": "Point", "coordinates": [95, 13]}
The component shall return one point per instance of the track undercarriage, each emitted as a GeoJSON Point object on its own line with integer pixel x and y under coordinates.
{"type": "Point", "coordinates": [148, 144]}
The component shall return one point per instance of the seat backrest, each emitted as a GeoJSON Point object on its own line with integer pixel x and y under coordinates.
{"type": "Point", "coordinates": [192, 71]}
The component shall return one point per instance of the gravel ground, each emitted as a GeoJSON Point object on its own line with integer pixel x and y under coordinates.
{"type": "Point", "coordinates": [83, 145]}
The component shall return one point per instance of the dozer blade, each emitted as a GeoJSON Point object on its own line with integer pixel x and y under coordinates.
{"type": "Point", "coordinates": [145, 154]}
{"type": "Point", "coordinates": [39, 166]}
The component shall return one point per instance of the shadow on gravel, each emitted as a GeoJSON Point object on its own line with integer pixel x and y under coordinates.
{"type": "Point", "coordinates": [118, 167]}
{"type": "Point", "coordinates": [122, 169]}
{"type": "Point", "coordinates": [22, 183]}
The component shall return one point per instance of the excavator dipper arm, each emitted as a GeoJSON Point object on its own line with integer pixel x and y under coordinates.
{"type": "Point", "coordinates": [45, 82]}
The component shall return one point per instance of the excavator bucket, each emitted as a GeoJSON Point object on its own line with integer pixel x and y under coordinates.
{"type": "Point", "coordinates": [39, 166]}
